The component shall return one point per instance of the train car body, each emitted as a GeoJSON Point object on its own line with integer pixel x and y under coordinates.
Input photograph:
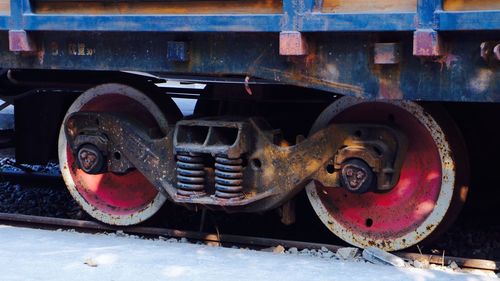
{"type": "Point", "coordinates": [351, 48]}
{"type": "Point", "coordinates": [379, 168]}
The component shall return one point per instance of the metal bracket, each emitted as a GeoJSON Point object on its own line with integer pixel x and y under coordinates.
{"type": "Point", "coordinates": [293, 43]}
{"type": "Point", "coordinates": [427, 43]}
{"type": "Point", "coordinates": [177, 51]}
{"type": "Point", "coordinates": [21, 41]}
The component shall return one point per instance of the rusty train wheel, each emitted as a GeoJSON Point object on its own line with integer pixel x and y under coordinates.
{"type": "Point", "coordinates": [119, 199]}
{"type": "Point", "coordinates": [431, 189]}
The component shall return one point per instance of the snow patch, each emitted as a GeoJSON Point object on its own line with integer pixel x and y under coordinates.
{"type": "Point", "coordinates": [31, 254]}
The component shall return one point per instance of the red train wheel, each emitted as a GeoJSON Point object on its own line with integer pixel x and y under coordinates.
{"type": "Point", "coordinates": [119, 199]}
{"type": "Point", "coordinates": [428, 195]}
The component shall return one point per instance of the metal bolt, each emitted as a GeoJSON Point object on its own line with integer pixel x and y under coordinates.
{"type": "Point", "coordinates": [387, 53]}
{"type": "Point", "coordinates": [496, 51]}
{"type": "Point", "coordinates": [90, 159]}
{"type": "Point", "coordinates": [177, 51]}
{"type": "Point", "coordinates": [485, 50]}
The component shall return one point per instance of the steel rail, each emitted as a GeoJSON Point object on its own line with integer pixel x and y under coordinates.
{"type": "Point", "coordinates": [31, 177]}
{"type": "Point", "coordinates": [256, 242]}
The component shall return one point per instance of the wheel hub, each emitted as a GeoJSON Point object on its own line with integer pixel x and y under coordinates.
{"type": "Point", "coordinates": [356, 176]}
{"type": "Point", "coordinates": [90, 159]}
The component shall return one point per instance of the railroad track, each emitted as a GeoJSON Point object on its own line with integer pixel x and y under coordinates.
{"type": "Point", "coordinates": [223, 239]}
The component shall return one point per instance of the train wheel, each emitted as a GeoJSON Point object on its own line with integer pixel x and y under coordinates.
{"type": "Point", "coordinates": [119, 199]}
{"type": "Point", "coordinates": [432, 185]}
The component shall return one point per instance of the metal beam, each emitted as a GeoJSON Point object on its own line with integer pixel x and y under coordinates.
{"type": "Point", "coordinates": [469, 20]}
{"type": "Point", "coordinates": [297, 16]}
{"type": "Point", "coordinates": [161, 23]}
{"type": "Point", "coordinates": [358, 22]}
{"type": "Point", "coordinates": [426, 40]}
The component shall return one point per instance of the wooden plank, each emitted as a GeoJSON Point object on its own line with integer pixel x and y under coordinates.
{"type": "Point", "coordinates": [171, 7]}
{"type": "Point", "coordinates": [469, 5]}
{"type": "Point", "coordinates": [4, 7]}
{"type": "Point", "coordinates": [347, 6]}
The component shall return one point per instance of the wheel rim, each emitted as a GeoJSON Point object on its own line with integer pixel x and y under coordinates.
{"type": "Point", "coordinates": [119, 199]}
{"type": "Point", "coordinates": [417, 205]}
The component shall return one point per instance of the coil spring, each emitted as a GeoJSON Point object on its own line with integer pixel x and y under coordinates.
{"type": "Point", "coordinates": [190, 174]}
{"type": "Point", "coordinates": [228, 177]}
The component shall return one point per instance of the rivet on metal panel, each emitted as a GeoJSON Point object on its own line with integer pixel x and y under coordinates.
{"type": "Point", "coordinates": [387, 53]}
{"type": "Point", "coordinates": [427, 43]}
{"type": "Point", "coordinates": [292, 43]}
{"type": "Point", "coordinates": [20, 41]}
{"type": "Point", "coordinates": [177, 51]}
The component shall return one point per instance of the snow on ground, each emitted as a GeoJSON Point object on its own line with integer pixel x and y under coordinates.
{"type": "Point", "coordinates": [31, 254]}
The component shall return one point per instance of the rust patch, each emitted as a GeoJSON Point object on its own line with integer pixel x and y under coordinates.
{"type": "Point", "coordinates": [305, 80]}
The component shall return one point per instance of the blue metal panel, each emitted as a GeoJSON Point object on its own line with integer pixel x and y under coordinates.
{"type": "Point", "coordinates": [16, 13]}
{"type": "Point", "coordinates": [224, 23]}
{"type": "Point", "coordinates": [426, 13]}
{"type": "Point", "coordinates": [186, 23]}
{"type": "Point", "coordinates": [358, 22]}
{"type": "Point", "coordinates": [4, 22]}
{"type": "Point", "coordinates": [473, 20]}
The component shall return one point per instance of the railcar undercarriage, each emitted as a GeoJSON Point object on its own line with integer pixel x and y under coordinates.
{"type": "Point", "coordinates": [377, 172]}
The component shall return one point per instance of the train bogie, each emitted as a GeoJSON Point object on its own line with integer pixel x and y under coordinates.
{"type": "Point", "coordinates": [384, 173]}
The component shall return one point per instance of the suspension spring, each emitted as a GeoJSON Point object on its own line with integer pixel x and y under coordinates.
{"type": "Point", "coordinates": [190, 174]}
{"type": "Point", "coordinates": [228, 177]}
